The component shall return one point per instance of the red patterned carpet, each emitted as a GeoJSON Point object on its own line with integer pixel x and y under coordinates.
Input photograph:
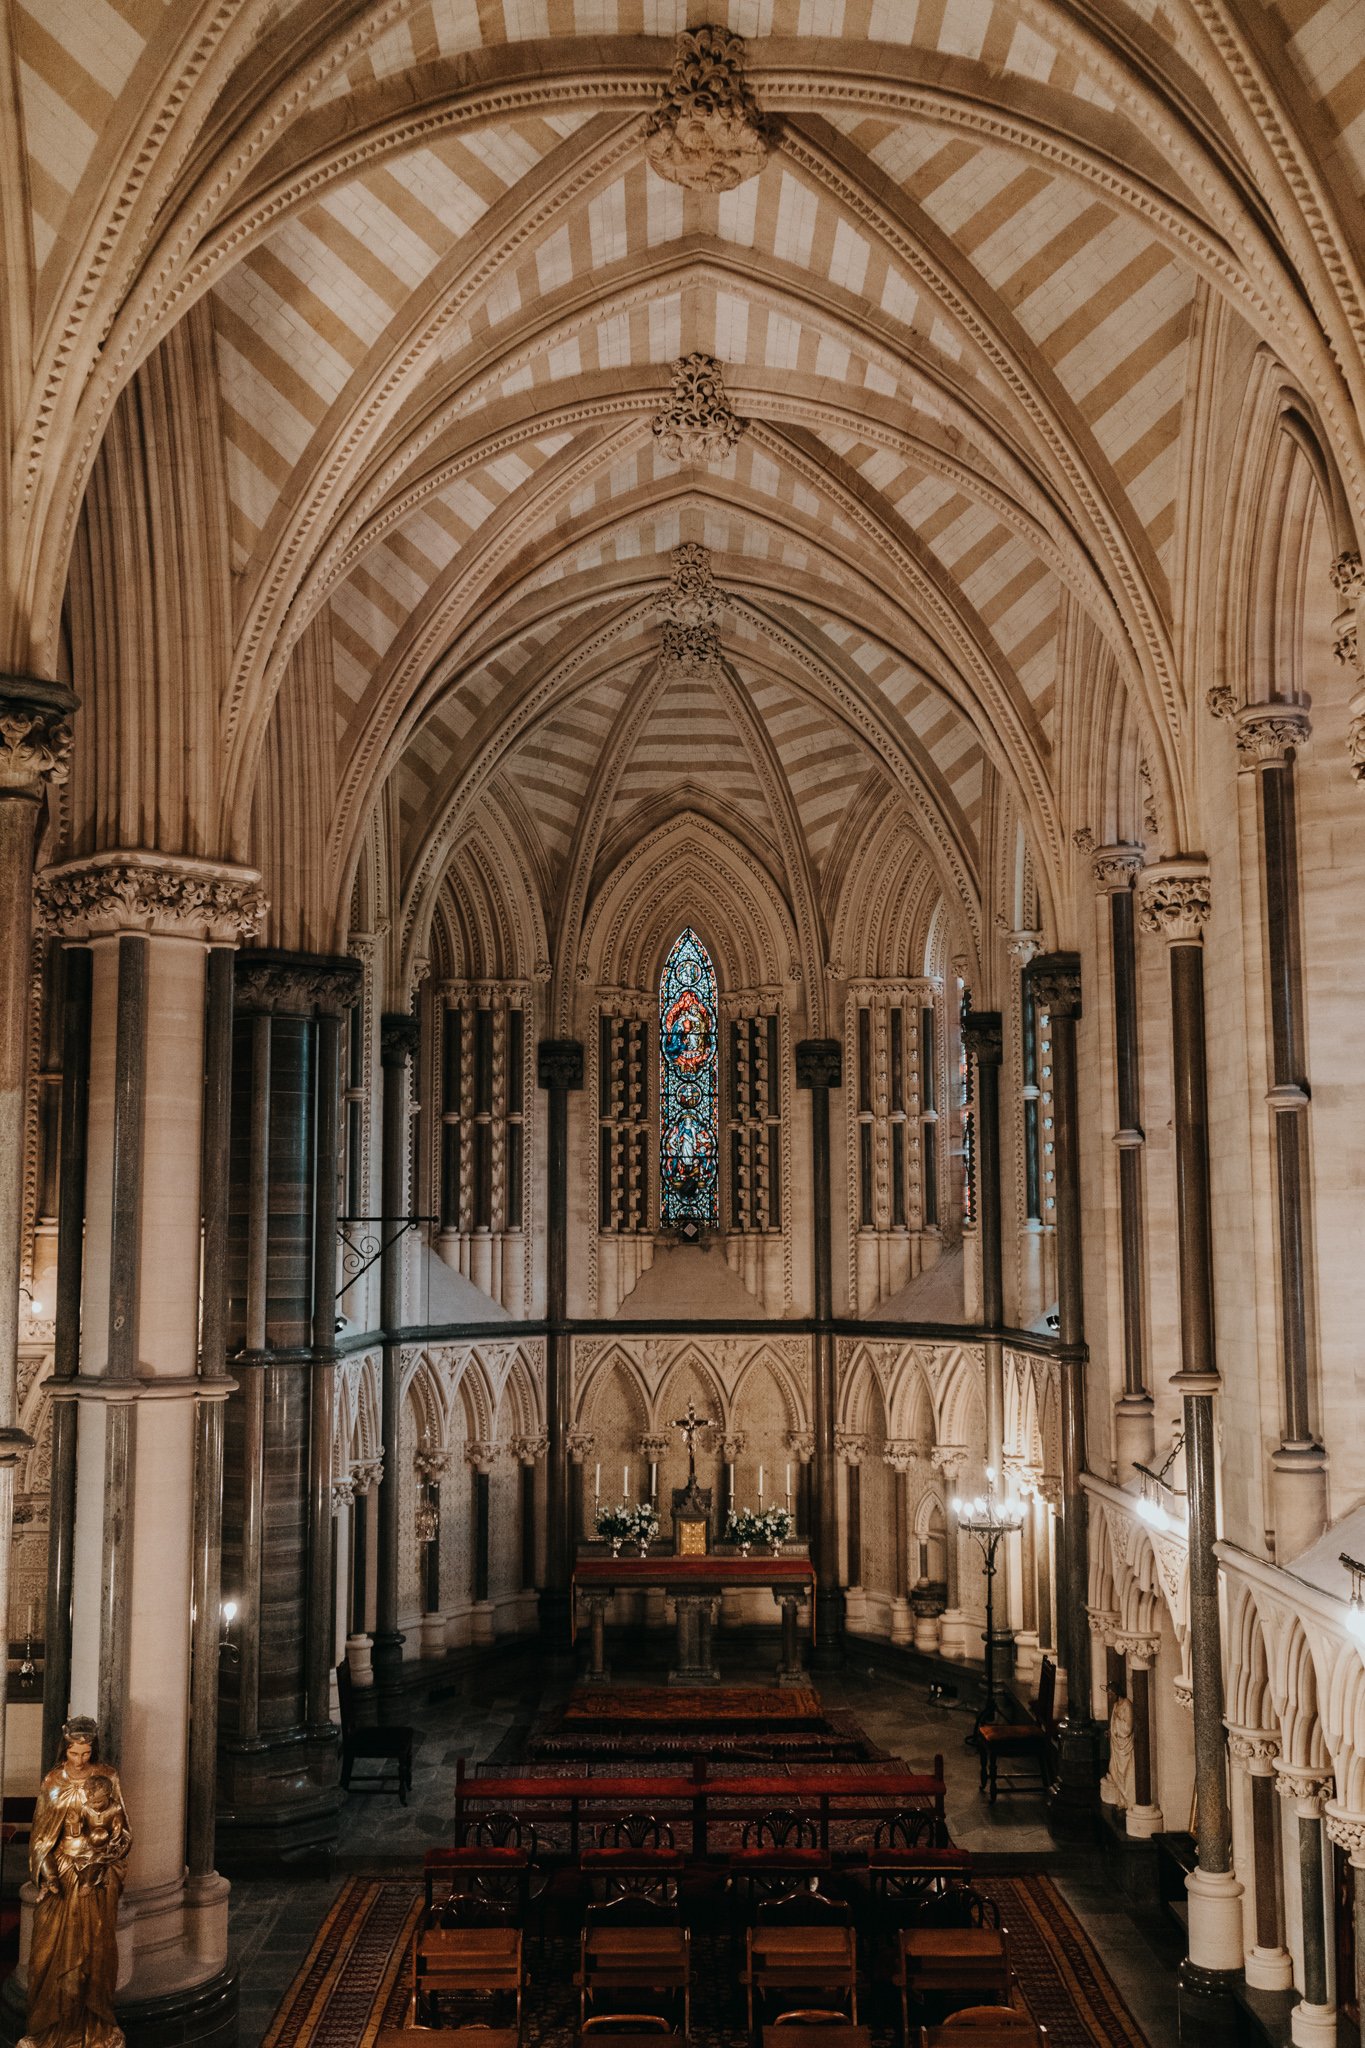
{"type": "Point", "coordinates": [766, 1705]}
{"type": "Point", "coordinates": [356, 1977]}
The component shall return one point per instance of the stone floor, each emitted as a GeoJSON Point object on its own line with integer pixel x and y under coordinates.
{"type": "Point", "coordinates": [273, 1919]}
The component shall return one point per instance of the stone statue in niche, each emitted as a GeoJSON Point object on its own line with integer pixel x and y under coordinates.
{"type": "Point", "coordinates": [1117, 1787]}
{"type": "Point", "coordinates": [78, 1859]}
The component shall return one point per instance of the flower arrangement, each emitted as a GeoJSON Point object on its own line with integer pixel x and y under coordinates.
{"type": "Point", "coordinates": [775, 1526]}
{"type": "Point", "coordinates": [624, 1524]}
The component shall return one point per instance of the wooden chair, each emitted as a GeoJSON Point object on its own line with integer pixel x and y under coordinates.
{"type": "Point", "coordinates": [951, 1961]}
{"type": "Point", "coordinates": [814, 2027]}
{"type": "Point", "coordinates": [1029, 1740]}
{"type": "Point", "coordinates": [388, 1745]}
{"type": "Point", "coordinates": [632, 1944]}
{"type": "Point", "coordinates": [777, 1851]}
{"type": "Point", "coordinates": [960, 1905]}
{"type": "Point", "coordinates": [907, 1859]}
{"type": "Point", "coordinates": [985, 2026]}
{"type": "Point", "coordinates": [628, 2029]}
{"type": "Point", "coordinates": [473, 1952]}
{"type": "Point", "coordinates": [635, 1856]}
{"type": "Point", "coordinates": [804, 1943]}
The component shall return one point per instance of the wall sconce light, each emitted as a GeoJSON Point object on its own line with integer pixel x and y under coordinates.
{"type": "Point", "coordinates": [1355, 1613]}
{"type": "Point", "coordinates": [228, 1652]}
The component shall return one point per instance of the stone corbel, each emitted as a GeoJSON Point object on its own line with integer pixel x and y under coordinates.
{"type": "Point", "coordinates": [948, 1460]}
{"type": "Point", "coordinates": [707, 132]}
{"type": "Point", "coordinates": [343, 1490]}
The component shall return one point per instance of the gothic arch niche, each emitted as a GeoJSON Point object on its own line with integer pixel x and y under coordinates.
{"type": "Point", "coordinates": [686, 874]}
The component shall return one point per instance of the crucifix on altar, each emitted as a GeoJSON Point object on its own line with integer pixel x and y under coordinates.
{"type": "Point", "coordinates": [691, 1503]}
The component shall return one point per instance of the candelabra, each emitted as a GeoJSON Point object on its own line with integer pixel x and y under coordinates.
{"type": "Point", "coordinates": [990, 1521]}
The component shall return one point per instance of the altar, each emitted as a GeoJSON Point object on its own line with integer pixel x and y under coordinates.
{"type": "Point", "coordinates": [695, 1585]}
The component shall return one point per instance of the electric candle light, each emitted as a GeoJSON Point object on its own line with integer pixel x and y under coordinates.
{"type": "Point", "coordinates": [760, 1486]}
{"type": "Point", "coordinates": [597, 1481]}
{"type": "Point", "coordinates": [625, 1482]}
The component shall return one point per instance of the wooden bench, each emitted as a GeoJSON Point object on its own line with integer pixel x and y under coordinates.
{"type": "Point", "coordinates": [1030, 1740]}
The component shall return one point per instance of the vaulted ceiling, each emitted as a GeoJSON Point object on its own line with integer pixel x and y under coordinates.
{"type": "Point", "coordinates": [962, 307]}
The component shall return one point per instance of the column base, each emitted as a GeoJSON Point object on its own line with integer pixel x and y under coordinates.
{"type": "Point", "coordinates": [952, 1632]}
{"type": "Point", "coordinates": [902, 1622]}
{"type": "Point", "coordinates": [796, 1676]}
{"type": "Point", "coordinates": [386, 1656]}
{"type": "Point", "coordinates": [1270, 1969]}
{"type": "Point", "coordinates": [694, 1674]}
{"type": "Point", "coordinates": [1299, 1491]}
{"type": "Point", "coordinates": [481, 1622]}
{"type": "Point", "coordinates": [280, 1800]}
{"type": "Point", "coordinates": [203, 2017]}
{"type": "Point", "coordinates": [1026, 1657]}
{"type": "Point", "coordinates": [1134, 1433]}
{"type": "Point", "coordinates": [1143, 1821]}
{"type": "Point", "coordinates": [602, 1677]}
{"type": "Point", "coordinates": [358, 1657]}
{"type": "Point", "coordinates": [855, 1608]}
{"type": "Point", "coordinates": [1313, 2026]}
{"type": "Point", "coordinates": [1073, 1797]}
{"type": "Point", "coordinates": [1217, 1932]}
{"type": "Point", "coordinates": [1209, 2016]}
{"type": "Point", "coordinates": [432, 1642]}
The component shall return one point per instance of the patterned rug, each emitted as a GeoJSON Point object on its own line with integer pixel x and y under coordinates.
{"type": "Point", "coordinates": [357, 1976]}
{"type": "Point", "coordinates": [765, 1704]}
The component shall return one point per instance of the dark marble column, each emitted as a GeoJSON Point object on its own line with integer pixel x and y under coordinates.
{"type": "Point", "coordinates": [399, 1039]}
{"type": "Point", "coordinates": [1174, 905]}
{"type": "Point", "coordinates": [1144, 1816]}
{"type": "Point", "coordinates": [853, 1466]}
{"type": "Point", "coordinates": [1269, 1965]}
{"type": "Point", "coordinates": [1314, 2019]}
{"type": "Point", "coordinates": [278, 1755]}
{"type": "Point", "coordinates": [1348, 1829]}
{"type": "Point", "coordinates": [1115, 868]}
{"type": "Point", "coordinates": [983, 1037]}
{"type": "Point", "coordinates": [1268, 737]}
{"type": "Point", "coordinates": [66, 1351]}
{"type": "Point", "coordinates": [560, 1072]}
{"type": "Point", "coordinates": [819, 1068]}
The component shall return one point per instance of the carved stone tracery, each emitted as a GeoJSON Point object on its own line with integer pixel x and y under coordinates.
{"type": "Point", "coordinates": [707, 132]}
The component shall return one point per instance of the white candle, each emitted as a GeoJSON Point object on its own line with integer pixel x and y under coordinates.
{"type": "Point", "coordinates": [597, 1481]}
{"type": "Point", "coordinates": [789, 1482]}
{"type": "Point", "coordinates": [625, 1483]}
{"type": "Point", "coordinates": [760, 1486]}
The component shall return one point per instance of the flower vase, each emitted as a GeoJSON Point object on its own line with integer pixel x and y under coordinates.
{"type": "Point", "coordinates": [616, 1546]}
{"type": "Point", "coordinates": [644, 1549]}
{"type": "Point", "coordinates": [744, 1549]}
{"type": "Point", "coordinates": [776, 1546]}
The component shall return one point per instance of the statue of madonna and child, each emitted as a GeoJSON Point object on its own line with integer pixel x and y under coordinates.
{"type": "Point", "coordinates": [78, 1859]}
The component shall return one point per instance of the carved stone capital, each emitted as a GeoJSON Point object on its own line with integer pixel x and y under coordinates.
{"type": "Point", "coordinates": [1055, 980]}
{"type": "Point", "coordinates": [948, 1459]}
{"type": "Point", "coordinates": [400, 1038]}
{"type": "Point", "coordinates": [851, 1447]}
{"type": "Point", "coordinates": [581, 1444]}
{"type": "Point", "coordinates": [900, 1453]}
{"type": "Point", "coordinates": [1254, 1746]}
{"type": "Point", "coordinates": [35, 734]}
{"type": "Point", "coordinates": [1220, 701]}
{"type": "Point", "coordinates": [1102, 1622]}
{"type": "Point", "coordinates": [342, 1491]}
{"type": "Point", "coordinates": [559, 1063]}
{"type": "Point", "coordinates": [1266, 732]}
{"type": "Point", "coordinates": [1174, 901]}
{"type": "Point", "coordinates": [169, 895]}
{"type": "Point", "coordinates": [698, 424]}
{"type": "Point", "coordinates": [1348, 1829]}
{"type": "Point", "coordinates": [1142, 1649]}
{"type": "Point", "coordinates": [707, 132]}
{"type": "Point", "coordinates": [801, 1444]}
{"type": "Point", "coordinates": [365, 1473]}
{"type": "Point", "coordinates": [983, 1035]}
{"type": "Point", "coordinates": [480, 1455]}
{"type": "Point", "coordinates": [654, 1447]}
{"type": "Point", "coordinates": [819, 1063]}
{"type": "Point", "coordinates": [730, 1445]}
{"type": "Point", "coordinates": [1306, 1786]}
{"type": "Point", "coordinates": [1115, 867]}
{"type": "Point", "coordinates": [1021, 947]}
{"type": "Point", "coordinates": [297, 984]}
{"type": "Point", "coordinates": [1348, 577]}
{"type": "Point", "coordinates": [432, 1464]}
{"type": "Point", "coordinates": [529, 1450]}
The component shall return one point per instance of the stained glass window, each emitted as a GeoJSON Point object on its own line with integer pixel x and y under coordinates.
{"type": "Point", "coordinates": [689, 1148]}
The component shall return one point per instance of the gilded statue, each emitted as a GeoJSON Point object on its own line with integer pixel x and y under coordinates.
{"type": "Point", "coordinates": [78, 1859]}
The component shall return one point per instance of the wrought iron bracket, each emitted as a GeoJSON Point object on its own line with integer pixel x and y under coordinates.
{"type": "Point", "coordinates": [358, 1255]}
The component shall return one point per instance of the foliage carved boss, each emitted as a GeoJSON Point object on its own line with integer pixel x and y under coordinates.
{"type": "Point", "coordinates": [707, 131]}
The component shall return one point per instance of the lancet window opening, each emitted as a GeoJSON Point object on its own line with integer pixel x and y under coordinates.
{"type": "Point", "coordinates": [755, 1119]}
{"type": "Point", "coordinates": [482, 1166]}
{"type": "Point", "coordinates": [895, 1168]}
{"type": "Point", "coordinates": [689, 1093]}
{"type": "Point", "coordinates": [624, 1098]}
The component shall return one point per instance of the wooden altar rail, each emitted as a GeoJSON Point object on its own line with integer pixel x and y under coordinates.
{"type": "Point", "coordinates": [828, 1795]}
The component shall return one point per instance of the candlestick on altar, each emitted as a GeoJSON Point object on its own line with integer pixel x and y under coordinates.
{"type": "Point", "coordinates": [625, 1482]}
{"type": "Point", "coordinates": [654, 1479]}
{"type": "Point", "coordinates": [760, 1486]}
{"type": "Point", "coordinates": [597, 1481]}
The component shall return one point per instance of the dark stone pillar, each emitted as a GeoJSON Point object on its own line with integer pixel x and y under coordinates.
{"type": "Point", "coordinates": [278, 1756]}
{"type": "Point", "coordinates": [1348, 1830]}
{"type": "Point", "coordinates": [399, 1038]}
{"type": "Point", "coordinates": [819, 1068]}
{"type": "Point", "coordinates": [983, 1037]}
{"type": "Point", "coordinates": [1055, 982]}
{"type": "Point", "coordinates": [1115, 868]}
{"type": "Point", "coordinates": [66, 1341]}
{"type": "Point", "coordinates": [560, 1072]}
{"type": "Point", "coordinates": [1269, 1965]}
{"type": "Point", "coordinates": [1268, 736]}
{"type": "Point", "coordinates": [1174, 904]}
{"type": "Point", "coordinates": [1315, 2018]}
{"type": "Point", "coordinates": [853, 1465]}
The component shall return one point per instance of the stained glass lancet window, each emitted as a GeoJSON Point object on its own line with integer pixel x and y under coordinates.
{"type": "Point", "coordinates": [689, 1145]}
